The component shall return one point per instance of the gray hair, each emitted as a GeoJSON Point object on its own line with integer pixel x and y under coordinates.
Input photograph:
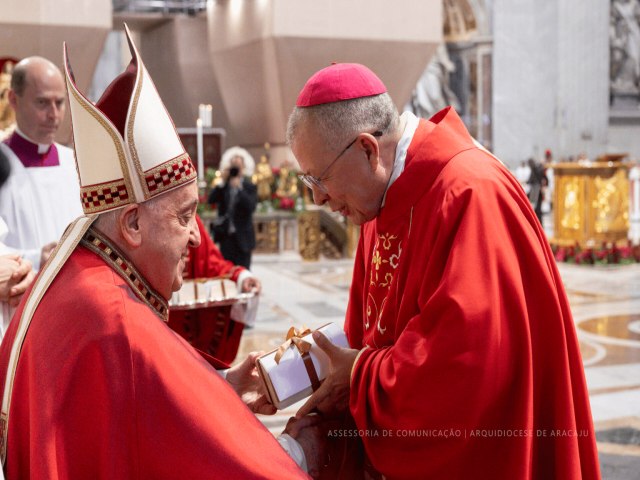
{"type": "Point", "coordinates": [107, 221]}
{"type": "Point", "coordinates": [19, 80]}
{"type": "Point", "coordinates": [339, 122]}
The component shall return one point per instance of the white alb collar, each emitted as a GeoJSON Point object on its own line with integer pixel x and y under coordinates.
{"type": "Point", "coordinates": [402, 148]}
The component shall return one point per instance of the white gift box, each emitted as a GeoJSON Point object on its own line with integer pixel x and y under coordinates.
{"type": "Point", "coordinates": [288, 381]}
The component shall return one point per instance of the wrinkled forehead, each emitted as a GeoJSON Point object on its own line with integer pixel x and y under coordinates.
{"type": "Point", "coordinates": [307, 131]}
{"type": "Point", "coordinates": [184, 196]}
{"type": "Point", "coordinates": [310, 150]}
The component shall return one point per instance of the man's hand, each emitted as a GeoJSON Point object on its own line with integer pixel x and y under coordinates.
{"type": "Point", "coordinates": [45, 253]}
{"type": "Point", "coordinates": [16, 275]}
{"type": "Point", "coordinates": [8, 265]}
{"type": "Point", "coordinates": [251, 283]}
{"type": "Point", "coordinates": [310, 433]}
{"type": "Point", "coordinates": [245, 380]}
{"type": "Point", "coordinates": [333, 395]}
{"type": "Point", "coordinates": [20, 281]}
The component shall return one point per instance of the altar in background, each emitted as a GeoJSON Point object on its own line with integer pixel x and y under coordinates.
{"type": "Point", "coordinates": [591, 202]}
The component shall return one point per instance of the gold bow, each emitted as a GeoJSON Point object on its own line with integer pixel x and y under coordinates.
{"type": "Point", "coordinates": [294, 336]}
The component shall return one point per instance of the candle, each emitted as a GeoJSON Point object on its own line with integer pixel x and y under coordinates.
{"type": "Point", "coordinates": [200, 149]}
{"type": "Point", "coordinates": [205, 114]}
{"type": "Point", "coordinates": [208, 116]}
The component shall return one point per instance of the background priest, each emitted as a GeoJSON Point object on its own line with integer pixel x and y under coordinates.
{"type": "Point", "coordinates": [41, 196]}
{"type": "Point", "coordinates": [94, 384]}
{"type": "Point", "coordinates": [464, 360]}
{"type": "Point", "coordinates": [16, 273]}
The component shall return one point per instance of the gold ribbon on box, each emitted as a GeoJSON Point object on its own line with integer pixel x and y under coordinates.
{"type": "Point", "coordinates": [294, 337]}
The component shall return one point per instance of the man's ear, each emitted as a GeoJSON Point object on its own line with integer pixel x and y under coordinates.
{"type": "Point", "coordinates": [129, 225]}
{"type": "Point", "coordinates": [368, 144]}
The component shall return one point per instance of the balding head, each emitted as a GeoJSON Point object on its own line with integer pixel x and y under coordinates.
{"type": "Point", "coordinates": [38, 66]}
{"type": "Point", "coordinates": [38, 97]}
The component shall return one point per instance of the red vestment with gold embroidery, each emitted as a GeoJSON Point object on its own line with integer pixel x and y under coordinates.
{"type": "Point", "coordinates": [472, 367]}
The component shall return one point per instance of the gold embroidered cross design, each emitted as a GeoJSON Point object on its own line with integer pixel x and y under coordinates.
{"type": "Point", "coordinates": [383, 266]}
{"type": "Point", "coordinates": [386, 240]}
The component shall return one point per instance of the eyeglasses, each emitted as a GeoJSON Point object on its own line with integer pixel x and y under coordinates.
{"type": "Point", "coordinates": [311, 181]}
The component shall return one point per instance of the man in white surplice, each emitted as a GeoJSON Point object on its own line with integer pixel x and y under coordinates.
{"type": "Point", "coordinates": [41, 196]}
{"type": "Point", "coordinates": [15, 272]}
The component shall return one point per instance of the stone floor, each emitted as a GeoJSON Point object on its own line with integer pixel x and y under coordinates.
{"type": "Point", "coordinates": [606, 307]}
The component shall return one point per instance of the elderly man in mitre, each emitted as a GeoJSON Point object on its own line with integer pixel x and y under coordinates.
{"type": "Point", "coordinates": [94, 384]}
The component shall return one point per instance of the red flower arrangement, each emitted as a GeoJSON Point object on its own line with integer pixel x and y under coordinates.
{"type": "Point", "coordinates": [606, 254]}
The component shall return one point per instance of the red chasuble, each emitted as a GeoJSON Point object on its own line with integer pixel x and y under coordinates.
{"type": "Point", "coordinates": [104, 389]}
{"type": "Point", "coordinates": [471, 366]}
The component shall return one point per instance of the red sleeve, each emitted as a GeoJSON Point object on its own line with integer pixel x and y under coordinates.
{"type": "Point", "coordinates": [207, 261]}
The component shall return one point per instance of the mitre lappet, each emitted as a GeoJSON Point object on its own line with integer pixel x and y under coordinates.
{"type": "Point", "coordinates": [126, 146]}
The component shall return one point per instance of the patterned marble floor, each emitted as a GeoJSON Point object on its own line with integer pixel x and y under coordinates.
{"type": "Point", "coordinates": [606, 306]}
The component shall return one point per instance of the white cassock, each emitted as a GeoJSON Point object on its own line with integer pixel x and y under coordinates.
{"type": "Point", "coordinates": [5, 310]}
{"type": "Point", "coordinates": [38, 203]}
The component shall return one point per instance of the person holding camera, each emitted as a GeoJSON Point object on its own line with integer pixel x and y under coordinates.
{"type": "Point", "coordinates": [236, 201]}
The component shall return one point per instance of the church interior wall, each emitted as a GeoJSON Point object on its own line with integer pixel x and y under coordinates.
{"type": "Point", "coordinates": [175, 54]}
{"type": "Point", "coordinates": [583, 63]}
{"type": "Point", "coordinates": [67, 13]}
{"type": "Point", "coordinates": [262, 56]}
{"type": "Point", "coordinates": [624, 136]}
{"type": "Point", "coordinates": [550, 78]}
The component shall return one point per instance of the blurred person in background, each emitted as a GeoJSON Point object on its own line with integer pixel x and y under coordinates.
{"type": "Point", "coordinates": [236, 200]}
{"type": "Point", "coordinates": [41, 196]}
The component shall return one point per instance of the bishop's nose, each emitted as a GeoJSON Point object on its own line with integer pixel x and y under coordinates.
{"type": "Point", "coordinates": [319, 197]}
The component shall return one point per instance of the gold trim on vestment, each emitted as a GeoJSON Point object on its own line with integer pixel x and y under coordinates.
{"type": "Point", "coordinates": [93, 240]}
{"type": "Point", "coordinates": [355, 362]}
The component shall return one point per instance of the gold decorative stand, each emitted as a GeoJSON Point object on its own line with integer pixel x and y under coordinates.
{"type": "Point", "coordinates": [276, 232]}
{"type": "Point", "coordinates": [353, 236]}
{"type": "Point", "coordinates": [591, 202]}
{"type": "Point", "coordinates": [309, 234]}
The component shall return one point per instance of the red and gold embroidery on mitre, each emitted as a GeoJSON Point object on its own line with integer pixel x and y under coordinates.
{"type": "Point", "coordinates": [126, 146]}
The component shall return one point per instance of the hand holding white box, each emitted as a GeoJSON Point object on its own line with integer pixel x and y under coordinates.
{"type": "Point", "coordinates": [288, 381]}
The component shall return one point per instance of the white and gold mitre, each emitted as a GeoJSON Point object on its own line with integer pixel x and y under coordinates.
{"type": "Point", "coordinates": [126, 147]}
